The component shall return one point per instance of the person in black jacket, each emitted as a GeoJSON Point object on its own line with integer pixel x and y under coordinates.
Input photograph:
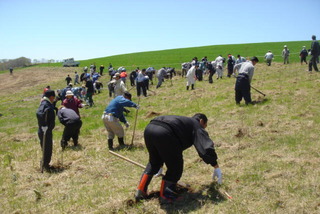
{"type": "Point", "coordinates": [303, 55]}
{"type": "Point", "coordinates": [166, 137]}
{"type": "Point", "coordinates": [46, 123]}
{"type": "Point", "coordinates": [315, 52]}
{"type": "Point", "coordinates": [90, 92]}
{"type": "Point", "coordinates": [72, 124]}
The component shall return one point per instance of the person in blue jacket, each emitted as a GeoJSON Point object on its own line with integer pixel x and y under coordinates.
{"type": "Point", "coordinates": [113, 115]}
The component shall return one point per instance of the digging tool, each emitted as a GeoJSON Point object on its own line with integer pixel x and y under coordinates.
{"type": "Point", "coordinates": [179, 183]}
{"type": "Point", "coordinates": [44, 129]}
{"type": "Point", "coordinates": [258, 91]}
{"type": "Point", "coordinates": [135, 123]}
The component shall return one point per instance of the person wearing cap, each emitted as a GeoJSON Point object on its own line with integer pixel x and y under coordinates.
{"type": "Point", "coordinates": [72, 124]}
{"type": "Point", "coordinates": [119, 86]}
{"type": "Point", "coordinates": [68, 79]}
{"type": "Point", "coordinates": [285, 55]}
{"type": "Point", "coordinates": [113, 115]}
{"type": "Point", "coordinates": [242, 86]}
{"type": "Point", "coordinates": [315, 52]}
{"type": "Point", "coordinates": [303, 55]}
{"type": "Point", "coordinates": [72, 102]}
{"type": "Point", "coordinates": [268, 57]}
{"type": "Point", "coordinates": [46, 123]}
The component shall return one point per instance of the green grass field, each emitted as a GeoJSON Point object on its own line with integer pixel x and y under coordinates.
{"type": "Point", "coordinates": [268, 152]}
{"type": "Point", "coordinates": [174, 57]}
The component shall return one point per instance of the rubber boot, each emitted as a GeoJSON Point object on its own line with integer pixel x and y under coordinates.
{"type": "Point", "coordinates": [192, 86]}
{"type": "Point", "coordinates": [110, 144]}
{"type": "Point", "coordinates": [121, 142]}
{"type": "Point", "coordinates": [168, 192]}
{"type": "Point", "coordinates": [63, 144]}
{"type": "Point", "coordinates": [142, 189]}
{"type": "Point", "coordinates": [187, 87]}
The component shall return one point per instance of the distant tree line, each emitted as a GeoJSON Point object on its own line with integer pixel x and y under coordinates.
{"type": "Point", "coordinates": [5, 64]}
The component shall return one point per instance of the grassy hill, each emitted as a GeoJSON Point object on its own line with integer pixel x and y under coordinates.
{"type": "Point", "coordinates": [268, 153]}
{"type": "Point", "coordinates": [174, 57]}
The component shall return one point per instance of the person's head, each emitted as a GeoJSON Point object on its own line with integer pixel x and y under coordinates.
{"type": "Point", "coordinates": [313, 37]}
{"type": "Point", "coordinates": [269, 51]}
{"type": "Point", "coordinates": [50, 95]}
{"type": "Point", "coordinates": [254, 60]}
{"type": "Point", "coordinates": [202, 119]}
{"type": "Point", "coordinates": [70, 84]}
{"type": "Point", "coordinates": [69, 94]}
{"type": "Point", "coordinates": [75, 72]}
{"type": "Point", "coordinates": [48, 87]}
{"type": "Point", "coordinates": [117, 76]}
{"type": "Point", "coordinates": [285, 47]}
{"type": "Point", "coordinates": [127, 95]}
{"type": "Point", "coordinates": [238, 56]}
{"type": "Point", "coordinates": [144, 70]}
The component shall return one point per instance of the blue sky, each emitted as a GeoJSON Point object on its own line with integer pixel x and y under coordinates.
{"type": "Point", "coordinates": [58, 29]}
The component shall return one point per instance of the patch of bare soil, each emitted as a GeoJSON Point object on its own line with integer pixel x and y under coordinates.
{"type": "Point", "coordinates": [152, 114]}
{"type": "Point", "coordinates": [34, 76]}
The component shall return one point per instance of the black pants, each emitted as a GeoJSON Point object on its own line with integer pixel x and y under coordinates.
{"type": "Point", "coordinates": [303, 59]}
{"type": "Point", "coordinates": [47, 146]}
{"type": "Point", "coordinates": [141, 86]}
{"type": "Point", "coordinates": [163, 147]}
{"type": "Point", "coordinates": [313, 62]}
{"type": "Point", "coordinates": [242, 89]}
{"type": "Point", "coordinates": [72, 131]}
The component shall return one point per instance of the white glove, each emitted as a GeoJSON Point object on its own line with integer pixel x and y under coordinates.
{"type": "Point", "coordinates": [159, 172]}
{"type": "Point", "coordinates": [217, 173]}
{"type": "Point", "coordinates": [127, 125]}
{"type": "Point", "coordinates": [44, 128]}
{"type": "Point", "coordinates": [83, 105]}
{"type": "Point", "coordinates": [137, 107]}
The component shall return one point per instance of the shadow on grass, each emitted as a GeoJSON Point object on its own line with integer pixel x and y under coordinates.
{"type": "Point", "coordinates": [192, 201]}
{"type": "Point", "coordinates": [130, 147]}
{"type": "Point", "coordinates": [189, 201]}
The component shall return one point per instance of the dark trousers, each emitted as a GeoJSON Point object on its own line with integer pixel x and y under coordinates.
{"type": "Point", "coordinates": [163, 147]}
{"type": "Point", "coordinates": [141, 86]}
{"type": "Point", "coordinates": [303, 59]}
{"type": "Point", "coordinates": [47, 147]}
{"type": "Point", "coordinates": [72, 131]}
{"type": "Point", "coordinates": [242, 89]}
{"type": "Point", "coordinates": [313, 62]}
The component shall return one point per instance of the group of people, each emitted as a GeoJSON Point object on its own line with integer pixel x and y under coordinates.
{"type": "Point", "coordinates": [166, 137]}
{"type": "Point", "coordinates": [313, 52]}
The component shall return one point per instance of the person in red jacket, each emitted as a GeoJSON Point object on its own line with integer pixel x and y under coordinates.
{"type": "Point", "coordinates": [72, 102]}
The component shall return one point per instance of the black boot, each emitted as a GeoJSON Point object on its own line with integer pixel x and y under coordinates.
{"type": "Point", "coordinates": [110, 144]}
{"type": "Point", "coordinates": [187, 87]}
{"type": "Point", "coordinates": [63, 144]}
{"type": "Point", "coordinates": [142, 189]}
{"type": "Point", "coordinates": [192, 87]}
{"type": "Point", "coordinates": [121, 142]}
{"type": "Point", "coordinates": [168, 193]}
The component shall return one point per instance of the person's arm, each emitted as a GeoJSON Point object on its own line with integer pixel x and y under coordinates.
{"type": "Point", "coordinates": [205, 147]}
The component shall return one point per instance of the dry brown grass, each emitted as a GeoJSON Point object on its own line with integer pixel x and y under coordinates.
{"type": "Point", "coordinates": [269, 152]}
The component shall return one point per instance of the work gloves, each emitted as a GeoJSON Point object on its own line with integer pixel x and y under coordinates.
{"type": "Point", "coordinates": [127, 125]}
{"type": "Point", "coordinates": [217, 173]}
{"type": "Point", "coordinates": [44, 128]}
{"type": "Point", "coordinates": [159, 172]}
{"type": "Point", "coordinates": [137, 107]}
